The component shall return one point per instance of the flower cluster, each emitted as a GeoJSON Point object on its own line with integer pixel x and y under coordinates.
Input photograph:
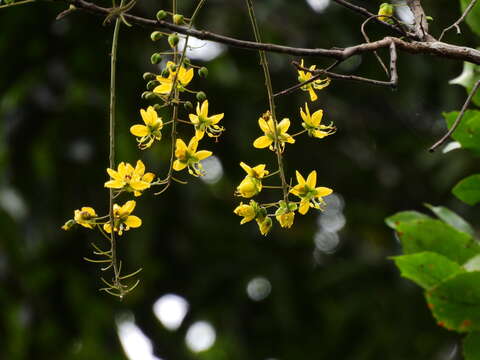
{"type": "Point", "coordinates": [168, 91]}
{"type": "Point", "coordinates": [275, 137]}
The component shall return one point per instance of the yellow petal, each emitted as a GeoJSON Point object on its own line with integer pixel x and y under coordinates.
{"type": "Point", "coordinates": [303, 115]}
{"type": "Point", "coordinates": [259, 171]}
{"type": "Point", "coordinates": [284, 125]}
{"type": "Point", "coordinates": [89, 210]}
{"type": "Point", "coordinates": [113, 174]}
{"type": "Point", "coordinates": [133, 221]}
{"type": "Point", "coordinates": [263, 125]}
{"type": "Point", "coordinates": [139, 168]}
{"type": "Point", "coordinates": [204, 109]}
{"type": "Point", "coordinates": [317, 117]}
{"type": "Point", "coordinates": [129, 206]}
{"type": "Point", "coordinates": [300, 179]}
{"type": "Point", "coordinates": [304, 207]}
{"type": "Point", "coordinates": [115, 184]}
{"type": "Point", "coordinates": [312, 180]}
{"type": "Point", "coordinates": [216, 118]}
{"type": "Point", "coordinates": [192, 145]}
{"type": "Point", "coordinates": [262, 142]}
{"type": "Point", "coordinates": [151, 116]}
{"type": "Point", "coordinates": [185, 76]}
{"type": "Point", "coordinates": [203, 154]}
{"type": "Point", "coordinates": [297, 189]}
{"type": "Point", "coordinates": [107, 228]}
{"type": "Point", "coordinates": [139, 130]}
{"type": "Point", "coordinates": [178, 166]}
{"type": "Point", "coordinates": [148, 177]}
{"type": "Point", "coordinates": [323, 191]}
{"type": "Point", "coordinates": [164, 88]}
{"type": "Point", "coordinates": [139, 185]}
{"type": "Point", "coordinates": [199, 134]}
{"type": "Point", "coordinates": [247, 168]}
{"type": "Point", "coordinates": [313, 95]}
{"type": "Point", "coordinates": [193, 118]}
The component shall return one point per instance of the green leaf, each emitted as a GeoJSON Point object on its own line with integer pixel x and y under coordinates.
{"type": "Point", "coordinates": [469, 76]}
{"type": "Point", "coordinates": [404, 216]}
{"type": "Point", "coordinates": [473, 18]}
{"type": "Point", "coordinates": [437, 236]}
{"type": "Point", "coordinates": [468, 132]}
{"type": "Point", "coordinates": [427, 269]}
{"type": "Point", "coordinates": [471, 346]}
{"type": "Point", "coordinates": [451, 218]}
{"type": "Point", "coordinates": [468, 189]}
{"type": "Point", "coordinates": [455, 303]}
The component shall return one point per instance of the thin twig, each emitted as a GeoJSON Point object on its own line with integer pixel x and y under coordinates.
{"type": "Point", "coordinates": [18, 3]}
{"type": "Point", "coordinates": [271, 100]}
{"type": "Point", "coordinates": [367, 39]}
{"type": "Point", "coordinates": [459, 21]}
{"type": "Point", "coordinates": [457, 120]}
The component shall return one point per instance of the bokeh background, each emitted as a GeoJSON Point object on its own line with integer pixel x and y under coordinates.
{"type": "Point", "coordinates": [212, 289]}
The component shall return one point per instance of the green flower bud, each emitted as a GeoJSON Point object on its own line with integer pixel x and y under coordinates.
{"type": "Point", "coordinates": [150, 96]}
{"type": "Point", "coordinates": [188, 105]}
{"type": "Point", "coordinates": [157, 107]}
{"type": "Point", "coordinates": [201, 96]}
{"type": "Point", "coordinates": [165, 73]}
{"type": "Point", "coordinates": [149, 76]}
{"type": "Point", "coordinates": [156, 35]}
{"type": "Point", "coordinates": [186, 61]}
{"type": "Point", "coordinates": [68, 225]}
{"type": "Point", "coordinates": [203, 72]}
{"type": "Point", "coordinates": [173, 40]}
{"type": "Point", "coordinates": [144, 95]}
{"type": "Point", "coordinates": [161, 14]}
{"type": "Point", "coordinates": [173, 68]}
{"type": "Point", "coordinates": [178, 19]}
{"type": "Point", "coordinates": [152, 84]}
{"type": "Point", "coordinates": [155, 58]}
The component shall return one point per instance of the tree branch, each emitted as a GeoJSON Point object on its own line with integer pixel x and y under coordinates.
{"type": "Point", "coordinates": [458, 22]}
{"type": "Point", "coordinates": [435, 48]}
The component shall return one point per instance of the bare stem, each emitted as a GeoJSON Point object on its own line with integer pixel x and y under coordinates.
{"type": "Point", "coordinates": [18, 3]}
{"type": "Point", "coordinates": [271, 100]}
{"type": "Point", "coordinates": [458, 119]}
{"type": "Point", "coordinates": [459, 21]}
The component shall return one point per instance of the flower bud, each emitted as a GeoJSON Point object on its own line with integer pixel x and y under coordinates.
{"type": "Point", "coordinates": [188, 105]}
{"type": "Point", "coordinates": [186, 61]}
{"type": "Point", "coordinates": [173, 40]}
{"type": "Point", "coordinates": [203, 72]}
{"type": "Point", "coordinates": [152, 84]}
{"type": "Point", "coordinates": [149, 76]}
{"type": "Point", "coordinates": [156, 35]}
{"type": "Point", "coordinates": [178, 19]}
{"type": "Point", "coordinates": [161, 14]}
{"type": "Point", "coordinates": [148, 95]}
{"type": "Point", "coordinates": [157, 107]}
{"type": "Point", "coordinates": [265, 225]}
{"type": "Point", "coordinates": [201, 96]}
{"type": "Point", "coordinates": [68, 225]}
{"type": "Point", "coordinates": [173, 68]}
{"type": "Point", "coordinates": [155, 58]}
{"type": "Point", "coordinates": [165, 73]}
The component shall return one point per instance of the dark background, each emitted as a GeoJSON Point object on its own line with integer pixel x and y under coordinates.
{"type": "Point", "coordinates": [326, 302]}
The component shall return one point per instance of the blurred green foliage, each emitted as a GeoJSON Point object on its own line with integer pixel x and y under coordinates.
{"type": "Point", "coordinates": [345, 301]}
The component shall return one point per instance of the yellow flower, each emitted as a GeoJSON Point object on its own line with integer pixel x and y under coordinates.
{"type": "Point", "coordinates": [268, 127]}
{"type": "Point", "coordinates": [188, 156]}
{"type": "Point", "coordinates": [310, 195]}
{"type": "Point", "coordinates": [286, 220]}
{"type": "Point", "coordinates": [312, 123]}
{"type": "Point", "coordinates": [286, 213]}
{"type": "Point", "coordinates": [130, 179]}
{"type": "Point", "coordinates": [183, 79]}
{"type": "Point", "coordinates": [316, 84]}
{"type": "Point", "coordinates": [264, 225]}
{"type": "Point", "coordinates": [148, 133]}
{"type": "Point", "coordinates": [204, 123]}
{"type": "Point", "coordinates": [251, 185]}
{"type": "Point", "coordinates": [248, 212]}
{"type": "Point", "coordinates": [122, 220]}
{"type": "Point", "coordinates": [85, 217]}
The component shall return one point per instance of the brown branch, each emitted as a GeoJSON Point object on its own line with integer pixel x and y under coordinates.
{"type": "Point", "coordinates": [458, 119]}
{"type": "Point", "coordinates": [459, 21]}
{"type": "Point", "coordinates": [421, 24]}
{"type": "Point", "coordinates": [435, 48]}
